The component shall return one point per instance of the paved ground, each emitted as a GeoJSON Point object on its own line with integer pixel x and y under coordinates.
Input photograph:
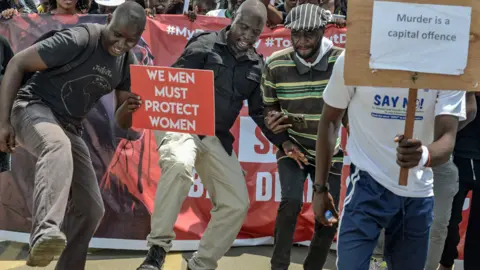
{"type": "Point", "coordinates": [12, 256]}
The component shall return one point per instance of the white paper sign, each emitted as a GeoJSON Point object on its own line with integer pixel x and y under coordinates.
{"type": "Point", "coordinates": [420, 37]}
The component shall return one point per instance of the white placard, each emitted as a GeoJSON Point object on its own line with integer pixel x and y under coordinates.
{"type": "Point", "coordinates": [420, 37]}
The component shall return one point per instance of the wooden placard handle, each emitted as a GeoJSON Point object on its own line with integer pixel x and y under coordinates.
{"type": "Point", "coordinates": [408, 133]}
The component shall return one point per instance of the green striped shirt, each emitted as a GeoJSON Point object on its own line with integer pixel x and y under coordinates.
{"type": "Point", "coordinates": [298, 90]}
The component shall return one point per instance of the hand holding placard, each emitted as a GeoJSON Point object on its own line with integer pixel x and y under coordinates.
{"type": "Point", "coordinates": [180, 100]}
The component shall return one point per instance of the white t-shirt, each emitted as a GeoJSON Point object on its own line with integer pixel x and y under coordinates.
{"type": "Point", "coordinates": [217, 13]}
{"type": "Point", "coordinates": [376, 115]}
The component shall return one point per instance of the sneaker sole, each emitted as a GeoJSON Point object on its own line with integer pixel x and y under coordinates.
{"type": "Point", "coordinates": [44, 250]}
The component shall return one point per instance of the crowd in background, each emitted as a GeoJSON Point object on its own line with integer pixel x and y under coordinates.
{"type": "Point", "coordinates": [277, 9]}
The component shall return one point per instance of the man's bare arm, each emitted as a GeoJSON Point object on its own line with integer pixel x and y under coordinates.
{"type": "Point", "coordinates": [328, 127]}
{"type": "Point", "coordinates": [275, 17]}
{"type": "Point", "coordinates": [27, 60]}
{"type": "Point", "coordinates": [444, 139]}
{"type": "Point", "coordinates": [471, 108]}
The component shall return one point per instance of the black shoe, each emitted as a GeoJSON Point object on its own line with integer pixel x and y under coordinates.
{"type": "Point", "coordinates": [155, 259]}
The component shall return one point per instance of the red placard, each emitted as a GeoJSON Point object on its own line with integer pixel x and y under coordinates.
{"type": "Point", "coordinates": [174, 99]}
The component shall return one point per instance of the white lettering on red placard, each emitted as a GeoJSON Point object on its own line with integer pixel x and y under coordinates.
{"type": "Point", "coordinates": [253, 145]}
{"type": "Point", "coordinates": [172, 101]}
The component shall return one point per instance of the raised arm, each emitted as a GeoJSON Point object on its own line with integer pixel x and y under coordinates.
{"type": "Point", "coordinates": [449, 110]}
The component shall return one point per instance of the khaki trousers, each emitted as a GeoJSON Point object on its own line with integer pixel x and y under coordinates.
{"type": "Point", "coordinates": [223, 178]}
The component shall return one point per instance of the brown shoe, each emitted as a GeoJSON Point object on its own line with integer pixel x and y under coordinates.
{"type": "Point", "coordinates": [45, 248]}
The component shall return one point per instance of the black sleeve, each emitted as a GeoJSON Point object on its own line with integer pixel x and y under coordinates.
{"type": "Point", "coordinates": [63, 47]}
{"type": "Point", "coordinates": [193, 56]}
{"type": "Point", "coordinates": [6, 53]}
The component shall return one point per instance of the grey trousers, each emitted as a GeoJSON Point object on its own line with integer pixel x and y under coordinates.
{"type": "Point", "coordinates": [66, 195]}
{"type": "Point", "coordinates": [445, 187]}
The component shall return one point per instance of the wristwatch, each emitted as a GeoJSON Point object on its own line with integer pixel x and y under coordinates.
{"type": "Point", "coordinates": [317, 188]}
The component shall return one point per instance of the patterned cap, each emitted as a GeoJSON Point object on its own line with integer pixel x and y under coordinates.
{"type": "Point", "coordinates": [307, 17]}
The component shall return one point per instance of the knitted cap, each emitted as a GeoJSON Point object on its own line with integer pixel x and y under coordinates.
{"type": "Point", "coordinates": [307, 17]}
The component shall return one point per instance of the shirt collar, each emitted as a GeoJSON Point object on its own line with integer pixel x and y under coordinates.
{"type": "Point", "coordinates": [320, 64]}
{"type": "Point", "coordinates": [222, 40]}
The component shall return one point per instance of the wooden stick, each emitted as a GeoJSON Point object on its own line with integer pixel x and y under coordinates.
{"type": "Point", "coordinates": [408, 133]}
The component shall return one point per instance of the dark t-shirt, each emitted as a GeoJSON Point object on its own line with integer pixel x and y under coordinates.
{"type": "Point", "coordinates": [6, 54]}
{"type": "Point", "coordinates": [468, 139]}
{"type": "Point", "coordinates": [71, 95]}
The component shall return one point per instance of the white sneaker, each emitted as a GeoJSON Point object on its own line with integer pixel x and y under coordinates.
{"type": "Point", "coordinates": [378, 264]}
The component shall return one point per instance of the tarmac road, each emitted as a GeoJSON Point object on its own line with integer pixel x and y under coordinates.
{"type": "Point", "coordinates": [12, 256]}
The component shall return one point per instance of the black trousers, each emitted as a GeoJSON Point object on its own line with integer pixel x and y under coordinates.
{"type": "Point", "coordinates": [469, 177]}
{"type": "Point", "coordinates": [4, 162]}
{"type": "Point", "coordinates": [292, 180]}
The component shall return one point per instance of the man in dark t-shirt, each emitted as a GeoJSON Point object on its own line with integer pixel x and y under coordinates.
{"type": "Point", "coordinates": [46, 121]}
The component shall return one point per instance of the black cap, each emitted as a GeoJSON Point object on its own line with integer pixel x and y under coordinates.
{"type": "Point", "coordinates": [307, 17]}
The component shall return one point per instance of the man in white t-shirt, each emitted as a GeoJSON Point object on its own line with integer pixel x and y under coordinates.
{"type": "Point", "coordinates": [374, 198]}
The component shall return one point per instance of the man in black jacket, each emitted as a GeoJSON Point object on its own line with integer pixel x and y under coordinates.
{"type": "Point", "coordinates": [237, 68]}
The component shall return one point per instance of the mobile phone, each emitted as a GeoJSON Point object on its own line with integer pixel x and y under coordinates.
{"type": "Point", "coordinates": [328, 215]}
{"type": "Point", "coordinates": [296, 119]}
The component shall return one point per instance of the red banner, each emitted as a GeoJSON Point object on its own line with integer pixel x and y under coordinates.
{"type": "Point", "coordinates": [127, 169]}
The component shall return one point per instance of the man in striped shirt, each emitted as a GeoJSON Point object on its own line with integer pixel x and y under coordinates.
{"type": "Point", "coordinates": [292, 84]}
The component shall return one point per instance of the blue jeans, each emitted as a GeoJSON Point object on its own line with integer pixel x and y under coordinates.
{"type": "Point", "coordinates": [368, 208]}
